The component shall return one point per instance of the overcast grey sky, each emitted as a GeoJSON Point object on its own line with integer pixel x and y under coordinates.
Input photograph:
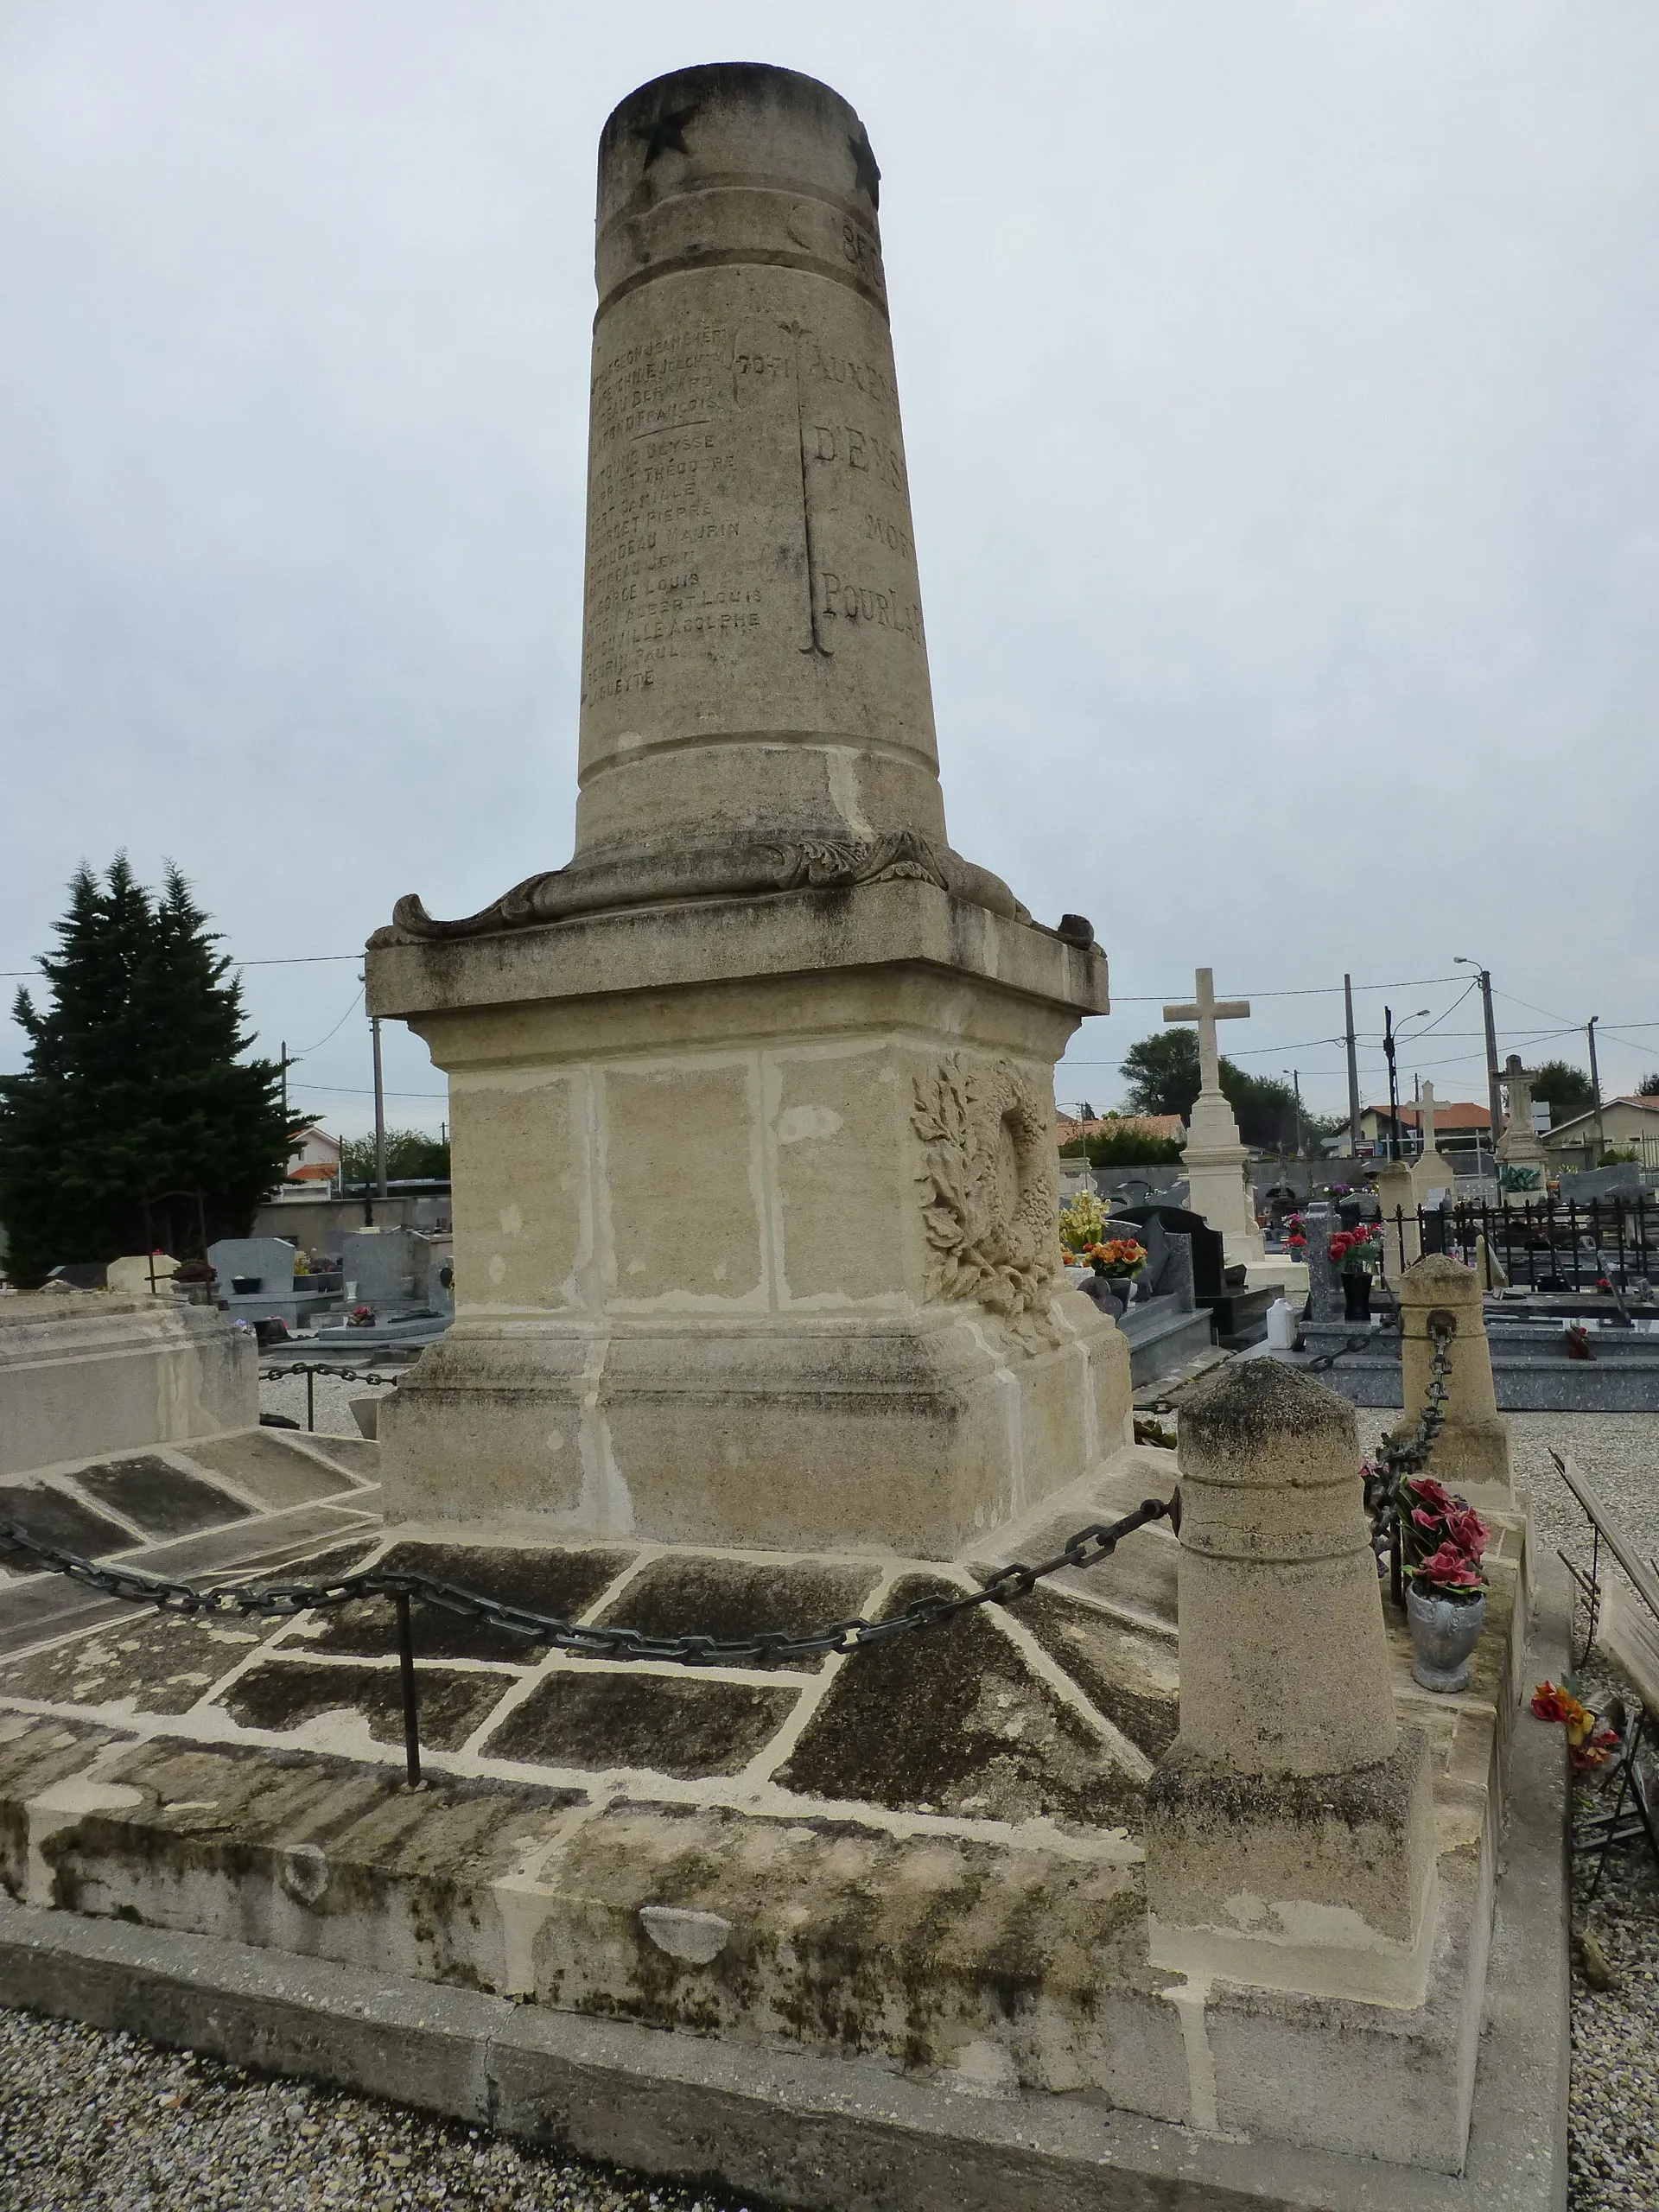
{"type": "Point", "coordinates": [1282, 392]}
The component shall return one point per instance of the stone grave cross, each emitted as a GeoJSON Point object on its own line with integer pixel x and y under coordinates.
{"type": "Point", "coordinates": [1426, 1118]}
{"type": "Point", "coordinates": [1207, 1010]}
{"type": "Point", "coordinates": [1518, 1082]}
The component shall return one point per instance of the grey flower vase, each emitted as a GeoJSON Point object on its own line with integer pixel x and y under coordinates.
{"type": "Point", "coordinates": [1443, 1633]}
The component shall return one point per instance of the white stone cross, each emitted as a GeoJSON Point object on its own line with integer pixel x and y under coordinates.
{"type": "Point", "coordinates": [1426, 1117]}
{"type": "Point", "coordinates": [1518, 1081]}
{"type": "Point", "coordinates": [1207, 1010]}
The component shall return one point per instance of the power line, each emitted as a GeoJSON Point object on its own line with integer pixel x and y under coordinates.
{"type": "Point", "coordinates": [358, 1090]}
{"type": "Point", "coordinates": [334, 1032]}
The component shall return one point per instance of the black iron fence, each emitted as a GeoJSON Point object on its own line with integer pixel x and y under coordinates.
{"type": "Point", "coordinates": [1546, 1245]}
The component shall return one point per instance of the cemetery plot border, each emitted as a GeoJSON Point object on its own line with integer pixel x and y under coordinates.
{"type": "Point", "coordinates": [283, 1599]}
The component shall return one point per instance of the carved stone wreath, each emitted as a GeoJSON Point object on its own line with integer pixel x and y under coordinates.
{"type": "Point", "coordinates": [991, 1201]}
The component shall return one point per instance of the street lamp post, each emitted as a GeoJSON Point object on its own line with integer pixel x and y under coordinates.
{"type": "Point", "coordinates": [1494, 1096]}
{"type": "Point", "coordinates": [1595, 1088]}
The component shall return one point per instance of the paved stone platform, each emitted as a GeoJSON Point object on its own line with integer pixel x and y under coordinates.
{"type": "Point", "coordinates": [926, 1857]}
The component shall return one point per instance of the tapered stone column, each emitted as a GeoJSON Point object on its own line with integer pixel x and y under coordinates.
{"type": "Point", "coordinates": [1290, 1828]}
{"type": "Point", "coordinates": [752, 1104]}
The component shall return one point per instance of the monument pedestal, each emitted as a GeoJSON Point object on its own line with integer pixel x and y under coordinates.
{"type": "Point", "coordinates": [754, 1218]}
{"type": "Point", "coordinates": [1217, 1166]}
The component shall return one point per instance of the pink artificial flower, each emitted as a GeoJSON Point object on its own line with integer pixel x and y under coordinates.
{"type": "Point", "coordinates": [1428, 1492]}
{"type": "Point", "coordinates": [1451, 1568]}
{"type": "Point", "coordinates": [1429, 1521]}
{"type": "Point", "coordinates": [1467, 1531]}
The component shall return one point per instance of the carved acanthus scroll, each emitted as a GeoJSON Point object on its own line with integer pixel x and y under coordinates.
{"type": "Point", "coordinates": [991, 1201]}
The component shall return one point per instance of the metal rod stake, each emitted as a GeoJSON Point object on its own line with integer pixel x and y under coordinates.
{"type": "Point", "coordinates": [411, 1713]}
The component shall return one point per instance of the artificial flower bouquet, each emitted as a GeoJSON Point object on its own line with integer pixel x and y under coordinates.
{"type": "Point", "coordinates": [1587, 1746]}
{"type": "Point", "coordinates": [1353, 1250]}
{"type": "Point", "coordinates": [1120, 1257]}
{"type": "Point", "coordinates": [1081, 1224]}
{"type": "Point", "coordinates": [1442, 1540]}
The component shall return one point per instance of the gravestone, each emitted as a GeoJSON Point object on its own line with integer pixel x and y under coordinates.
{"type": "Point", "coordinates": [385, 1267]}
{"type": "Point", "coordinates": [1216, 1161]}
{"type": "Point", "coordinates": [1522, 1162]}
{"type": "Point", "coordinates": [752, 1104]}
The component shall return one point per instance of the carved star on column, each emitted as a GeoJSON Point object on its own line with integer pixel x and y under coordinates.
{"type": "Point", "coordinates": [667, 130]}
{"type": "Point", "coordinates": [867, 175]}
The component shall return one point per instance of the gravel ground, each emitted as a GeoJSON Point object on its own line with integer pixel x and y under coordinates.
{"type": "Point", "coordinates": [1613, 2151]}
{"type": "Point", "coordinates": [334, 1397]}
{"type": "Point", "coordinates": [112, 2123]}
{"type": "Point", "coordinates": [98, 2123]}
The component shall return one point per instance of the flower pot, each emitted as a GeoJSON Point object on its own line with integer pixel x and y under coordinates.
{"type": "Point", "coordinates": [1356, 1298]}
{"type": "Point", "coordinates": [1443, 1633]}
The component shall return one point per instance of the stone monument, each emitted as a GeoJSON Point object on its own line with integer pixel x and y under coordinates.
{"type": "Point", "coordinates": [752, 1104]}
{"type": "Point", "coordinates": [1216, 1159]}
{"type": "Point", "coordinates": [1522, 1163]}
{"type": "Point", "coordinates": [1432, 1170]}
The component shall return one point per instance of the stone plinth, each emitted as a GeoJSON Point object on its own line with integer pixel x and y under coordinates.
{"type": "Point", "coordinates": [1471, 1453]}
{"type": "Point", "coordinates": [88, 1371]}
{"type": "Point", "coordinates": [1290, 1838]}
{"type": "Point", "coordinates": [751, 1105]}
{"type": "Point", "coordinates": [1219, 1177]}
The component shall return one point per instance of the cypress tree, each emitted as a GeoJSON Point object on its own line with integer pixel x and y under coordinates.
{"type": "Point", "coordinates": [134, 1086]}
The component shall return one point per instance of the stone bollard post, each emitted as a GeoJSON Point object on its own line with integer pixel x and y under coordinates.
{"type": "Point", "coordinates": [1290, 1828]}
{"type": "Point", "coordinates": [1472, 1454]}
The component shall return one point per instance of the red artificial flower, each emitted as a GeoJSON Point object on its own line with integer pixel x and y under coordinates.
{"type": "Point", "coordinates": [1549, 1703]}
{"type": "Point", "coordinates": [1451, 1568]}
{"type": "Point", "coordinates": [1428, 1492]}
{"type": "Point", "coordinates": [1586, 1757]}
{"type": "Point", "coordinates": [1421, 1519]}
{"type": "Point", "coordinates": [1467, 1531]}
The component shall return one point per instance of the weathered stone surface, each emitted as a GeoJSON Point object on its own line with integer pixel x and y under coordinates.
{"type": "Point", "coordinates": [600, 1717]}
{"type": "Point", "coordinates": [276, 1472]}
{"type": "Point", "coordinates": [707, 1594]}
{"type": "Point", "coordinates": [55, 1516]}
{"type": "Point", "coordinates": [147, 1666]}
{"type": "Point", "coordinates": [96, 1372]}
{"type": "Point", "coordinates": [160, 1499]}
{"type": "Point", "coordinates": [951, 1722]}
{"type": "Point", "coordinates": [552, 1581]}
{"type": "Point", "coordinates": [284, 1696]}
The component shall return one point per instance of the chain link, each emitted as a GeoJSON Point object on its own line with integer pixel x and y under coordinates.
{"type": "Point", "coordinates": [1393, 1460]}
{"type": "Point", "coordinates": [326, 1367]}
{"type": "Point", "coordinates": [279, 1600]}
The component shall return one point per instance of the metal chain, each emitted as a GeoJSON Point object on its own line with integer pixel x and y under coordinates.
{"type": "Point", "coordinates": [278, 1600]}
{"type": "Point", "coordinates": [1392, 1462]}
{"type": "Point", "coordinates": [326, 1367]}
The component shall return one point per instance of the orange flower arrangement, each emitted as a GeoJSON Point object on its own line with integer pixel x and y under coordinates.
{"type": "Point", "coordinates": [1586, 1746]}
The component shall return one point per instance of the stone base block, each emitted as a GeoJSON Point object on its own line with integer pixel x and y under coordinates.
{"type": "Point", "coordinates": [1472, 1457]}
{"type": "Point", "coordinates": [1322, 1885]}
{"type": "Point", "coordinates": [910, 1434]}
{"type": "Point", "coordinates": [88, 1371]}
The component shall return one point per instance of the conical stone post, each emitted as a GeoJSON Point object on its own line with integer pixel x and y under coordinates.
{"type": "Point", "coordinates": [1290, 1828]}
{"type": "Point", "coordinates": [1471, 1453]}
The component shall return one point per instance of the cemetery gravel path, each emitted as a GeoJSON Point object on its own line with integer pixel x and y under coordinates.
{"type": "Point", "coordinates": [103, 2123]}
{"type": "Point", "coordinates": [107, 2123]}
